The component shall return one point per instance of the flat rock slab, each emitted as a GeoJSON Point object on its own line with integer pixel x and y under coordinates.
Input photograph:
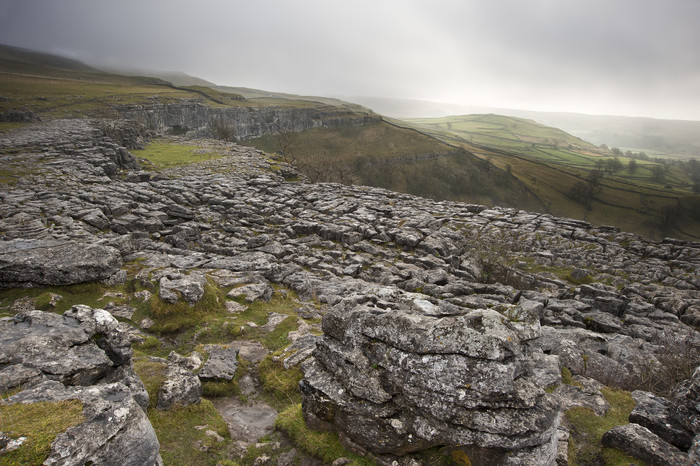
{"type": "Point", "coordinates": [247, 422]}
{"type": "Point", "coordinates": [251, 351]}
{"type": "Point", "coordinates": [640, 442]}
{"type": "Point", "coordinates": [53, 262]}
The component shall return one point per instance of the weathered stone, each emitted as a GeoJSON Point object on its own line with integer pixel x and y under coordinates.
{"type": "Point", "coordinates": [116, 429]}
{"type": "Point", "coordinates": [78, 348]}
{"type": "Point", "coordinates": [189, 287]}
{"type": "Point", "coordinates": [221, 364]}
{"type": "Point", "coordinates": [641, 443]}
{"type": "Point", "coordinates": [654, 413]}
{"type": "Point", "coordinates": [181, 387]}
{"type": "Point", "coordinates": [252, 292]}
{"type": "Point", "coordinates": [454, 368]}
{"type": "Point", "coordinates": [52, 262]}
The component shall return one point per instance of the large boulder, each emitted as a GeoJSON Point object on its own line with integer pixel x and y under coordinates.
{"type": "Point", "coordinates": [53, 262]}
{"type": "Point", "coordinates": [394, 380]}
{"type": "Point", "coordinates": [654, 413]}
{"type": "Point", "coordinates": [81, 347]}
{"type": "Point", "coordinates": [116, 430]}
{"type": "Point", "coordinates": [84, 354]}
{"type": "Point", "coordinates": [640, 442]}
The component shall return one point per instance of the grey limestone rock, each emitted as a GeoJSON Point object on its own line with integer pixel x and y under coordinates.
{"type": "Point", "coordinates": [116, 430]}
{"type": "Point", "coordinates": [640, 442]}
{"type": "Point", "coordinates": [252, 292]}
{"type": "Point", "coordinates": [221, 364]}
{"type": "Point", "coordinates": [54, 262]}
{"type": "Point", "coordinates": [181, 387]}
{"type": "Point", "coordinates": [189, 287]}
{"type": "Point", "coordinates": [397, 381]}
{"type": "Point", "coordinates": [83, 354]}
{"type": "Point", "coordinates": [79, 348]}
{"type": "Point", "coordinates": [654, 413]}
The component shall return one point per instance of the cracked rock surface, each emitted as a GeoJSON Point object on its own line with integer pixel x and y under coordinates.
{"type": "Point", "coordinates": [447, 320]}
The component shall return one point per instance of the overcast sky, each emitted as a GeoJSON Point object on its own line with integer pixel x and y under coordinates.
{"type": "Point", "coordinates": [620, 57]}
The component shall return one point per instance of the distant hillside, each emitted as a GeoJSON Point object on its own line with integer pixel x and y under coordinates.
{"type": "Point", "coordinates": [509, 133]}
{"type": "Point", "coordinates": [400, 159]}
{"type": "Point", "coordinates": [672, 138]}
{"type": "Point", "coordinates": [576, 179]}
{"type": "Point", "coordinates": [17, 59]}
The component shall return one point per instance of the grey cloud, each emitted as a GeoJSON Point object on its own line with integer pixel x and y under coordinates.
{"type": "Point", "coordinates": [594, 55]}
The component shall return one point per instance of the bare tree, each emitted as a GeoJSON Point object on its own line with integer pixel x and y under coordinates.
{"type": "Point", "coordinates": [223, 130]}
{"type": "Point", "coordinates": [287, 141]}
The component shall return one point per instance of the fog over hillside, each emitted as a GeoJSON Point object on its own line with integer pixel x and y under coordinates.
{"type": "Point", "coordinates": [628, 57]}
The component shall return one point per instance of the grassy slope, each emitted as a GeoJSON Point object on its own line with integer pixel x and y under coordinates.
{"type": "Point", "coordinates": [392, 157]}
{"type": "Point", "coordinates": [549, 162]}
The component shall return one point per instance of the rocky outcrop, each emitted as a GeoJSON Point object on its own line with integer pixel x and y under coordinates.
{"type": "Point", "coordinates": [245, 120]}
{"type": "Point", "coordinates": [402, 375]}
{"type": "Point", "coordinates": [84, 354]}
{"type": "Point", "coordinates": [116, 430]}
{"type": "Point", "coordinates": [54, 262]}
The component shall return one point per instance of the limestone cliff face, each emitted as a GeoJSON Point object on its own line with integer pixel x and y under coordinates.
{"type": "Point", "coordinates": [246, 121]}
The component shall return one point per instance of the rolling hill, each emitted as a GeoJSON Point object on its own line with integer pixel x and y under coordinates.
{"type": "Point", "coordinates": [646, 197]}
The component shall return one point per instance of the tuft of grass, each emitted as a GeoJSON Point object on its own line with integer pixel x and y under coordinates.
{"type": "Point", "coordinates": [182, 434]}
{"type": "Point", "coordinates": [567, 377]}
{"type": "Point", "coordinates": [153, 375]}
{"type": "Point", "coordinates": [587, 430]}
{"type": "Point", "coordinates": [217, 389]}
{"type": "Point", "coordinates": [324, 445]}
{"type": "Point", "coordinates": [175, 318]}
{"type": "Point", "coordinates": [280, 385]}
{"type": "Point", "coordinates": [40, 423]}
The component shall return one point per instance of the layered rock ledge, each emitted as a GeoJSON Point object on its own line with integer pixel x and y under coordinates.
{"type": "Point", "coordinates": [402, 375]}
{"type": "Point", "coordinates": [85, 354]}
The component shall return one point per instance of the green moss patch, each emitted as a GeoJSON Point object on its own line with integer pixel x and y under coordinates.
{"type": "Point", "coordinates": [40, 423]}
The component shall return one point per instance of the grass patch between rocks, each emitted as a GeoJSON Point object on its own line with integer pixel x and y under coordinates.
{"type": "Point", "coordinates": [194, 434]}
{"type": "Point", "coordinates": [587, 430]}
{"type": "Point", "coordinates": [40, 423]}
{"type": "Point", "coordinates": [324, 445]}
{"type": "Point", "coordinates": [166, 155]}
{"type": "Point", "coordinates": [153, 375]}
{"type": "Point", "coordinates": [280, 385]}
